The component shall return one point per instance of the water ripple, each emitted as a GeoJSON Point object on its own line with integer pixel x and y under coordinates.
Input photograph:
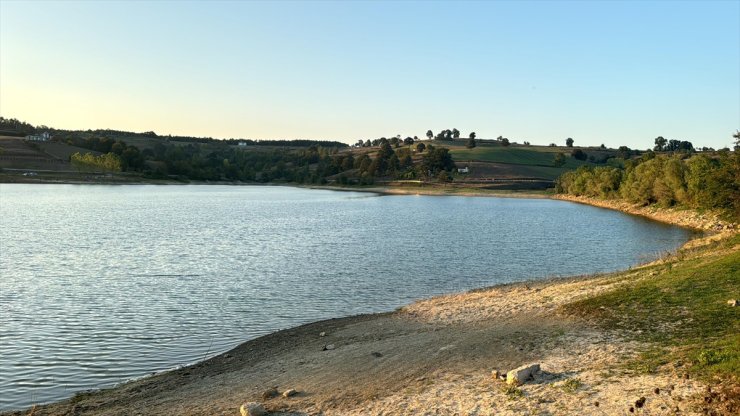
{"type": "Point", "coordinates": [102, 284]}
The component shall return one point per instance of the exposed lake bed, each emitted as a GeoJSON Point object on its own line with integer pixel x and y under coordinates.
{"type": "Point", "coordinates": [191, 292]}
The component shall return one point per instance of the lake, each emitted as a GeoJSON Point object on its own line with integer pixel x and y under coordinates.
{"type": "Point", "coordinates": [100, 284]}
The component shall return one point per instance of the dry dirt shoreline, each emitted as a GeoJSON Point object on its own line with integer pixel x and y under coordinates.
{"type": "Point", "coordinates": [434, 356]}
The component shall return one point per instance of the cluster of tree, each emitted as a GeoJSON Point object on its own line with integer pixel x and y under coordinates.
{"type": "Point", "coordinates": [399, 163]}
{"type": "Point", "coordinates": [661, 144]}
{"type": "Point", "coordinates": [448, 135]}
{"type": "Point", "coordinates": [15, 127]}
{"type": "Point", "coordinates": [503, 141]}
{"type": "Point", "coordinates": [285, 143]}
{"type": "Point", "coordinates": [108, 161]}
{"type": "Point", "coordinates": [130, 156]}
{"type": "Point", "coordinates": [698, 181]}
{"type": "Point", "coordinates": [394, 141]}
{"type": "Point", "coordinates": [314, 164]}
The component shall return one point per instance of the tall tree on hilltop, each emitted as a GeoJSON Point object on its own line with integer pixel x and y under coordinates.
{"type": "Point", "coordinates": [455, 133]}
{"type": "Point", "coordinates": [430, 134]}
{"type": "Point", "coordinates": [660, 143]}
{"type": "Point", "coordinates": [569, 142]}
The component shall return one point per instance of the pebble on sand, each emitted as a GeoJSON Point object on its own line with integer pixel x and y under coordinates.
{"type": "Point", "coordinates": [252, 409]}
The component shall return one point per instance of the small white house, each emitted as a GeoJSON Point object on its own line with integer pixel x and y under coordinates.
{"type": "Point", "coordinates": [242, 144]}
{"type": "Point", "coordinates": [463, 170]}
{"type": "Point", "coordinates": [43, 137]}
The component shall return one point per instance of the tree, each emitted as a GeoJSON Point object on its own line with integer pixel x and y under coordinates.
{"type": "Point", "coordinates": [472, 135]}
{"type": "Point", "coordinates": [569, 142]}
{"type": "Point", "coordinates": [420, 147]}
{"type": "Point", "coordinates": [679, 146]}
{"type": "Point", "coordinates": [448, 134]}
{"type": "Point", "coordinates": [436, 160]}
{"type": "Point", "coordinates": [579, 154]}
{"type": "Point", "coordinates": [526, 143]}
{"type": "Point", "coordinates": [430, 134]}
{"type": "Point", "coordinates": [660, 143]}
{"type": "Point", "coordinates": [559, 160]}
{"type": "Point", "coordinates": [455, 133]}
{"type": "Point", "coordinates": [505, 142]}
{"type": "Point", "coordinates": [471, 142]}
{"type": "Point", "coordinates": [408, 141]}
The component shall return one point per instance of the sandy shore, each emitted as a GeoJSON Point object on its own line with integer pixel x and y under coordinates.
{"type": "Point", "coordinates": [432, 357]}
{"type": "Point", "coordinates": [433, 190]}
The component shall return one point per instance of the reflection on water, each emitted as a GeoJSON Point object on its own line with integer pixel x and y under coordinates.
{"type": "Point", "coordinates": [100, 284]}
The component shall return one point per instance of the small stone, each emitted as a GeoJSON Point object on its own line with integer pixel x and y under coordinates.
{"type": "Point", "coordinates": [640, 402]}
{"type": "Point", "coordinates": [328, 347]}
{"type": "Point", "coordinates": [252, 409]}
{"type": "Point", "coordinates": [376, 354]}
{"type": "Point", "coordinates": [521, 374]}
{"type": "Point", "coordinates": [733, 302]}
{"type": "Point", "coordinates": [270, 393]}
{"type": "Point", "coordinates": [322, 334]}
{"type": "Point", "coordinates": [596, 403]}
{"type": "Point", "coordinates": [495, 374]}
{"type": "Point", "coordinates": [290, 392]}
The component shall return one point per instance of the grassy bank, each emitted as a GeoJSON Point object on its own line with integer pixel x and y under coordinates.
{"type": "Point", "coordinates": [680, 307]}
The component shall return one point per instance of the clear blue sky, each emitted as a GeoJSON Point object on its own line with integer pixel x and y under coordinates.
{"type": "Point", "coordinates": [619, 73]}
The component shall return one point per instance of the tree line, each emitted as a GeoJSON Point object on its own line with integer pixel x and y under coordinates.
{"type": "Point", "coordinates": [17, 127]}
{"type": "Point", "coordinates": [313, 164]}
{"type": "Point", "coordinates": [699, 181]}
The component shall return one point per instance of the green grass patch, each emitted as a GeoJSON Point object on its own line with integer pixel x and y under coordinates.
{"type": "Point", "coordinates": [571, 385]}
{"type": "Point", "coordinates": [512, 392]}
{"type": "Point", "coordinates": [682, 309]}
{"type": "Point", "coordinates": [514, 155]}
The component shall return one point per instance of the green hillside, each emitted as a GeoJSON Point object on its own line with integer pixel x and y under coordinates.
{"type": "Point", "coordinates": [530, 155]}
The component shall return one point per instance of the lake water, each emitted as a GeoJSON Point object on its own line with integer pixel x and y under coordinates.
{"type": "Point", "coordinates": [100, 284]}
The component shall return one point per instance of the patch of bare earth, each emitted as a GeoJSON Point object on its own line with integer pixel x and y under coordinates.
{"type": "Point", "coordinates": [705, 221]}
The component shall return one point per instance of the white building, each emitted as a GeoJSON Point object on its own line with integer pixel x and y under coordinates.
{"type": "Point", "coordinates": [43, 137]}
{"type": "Point", "coordinates": [463, 170]}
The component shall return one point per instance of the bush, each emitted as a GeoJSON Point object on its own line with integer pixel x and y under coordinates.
{"type": "Point", "coordinates": [579, 154]}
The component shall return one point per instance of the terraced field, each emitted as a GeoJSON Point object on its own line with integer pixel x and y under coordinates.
{"type": "Point", "coordinates": [492, 160]}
